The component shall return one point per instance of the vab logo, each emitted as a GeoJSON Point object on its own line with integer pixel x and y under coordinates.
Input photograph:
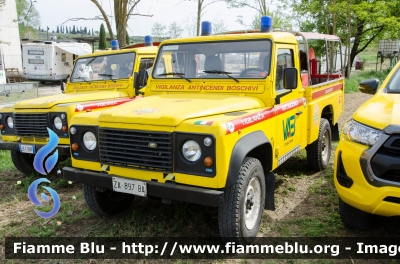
{"type": "Point", "coordinates": [290, 128]}
{"type": "Point", "coordinates": [43, 152]}
{"type": "Point", "coordinates": [32, 196]}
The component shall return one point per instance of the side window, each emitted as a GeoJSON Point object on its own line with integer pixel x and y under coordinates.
{"type": "Point", "coordinates": [284, 60]}
{"type": "Point", "coordinates": [145, 67]}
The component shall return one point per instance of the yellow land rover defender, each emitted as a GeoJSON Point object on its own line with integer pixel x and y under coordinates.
{"type": "Point", "coordinates": [367, 161]}
{"type": "Point", "coordinates": [221, 112]}
{"type": "Point", "coordinates": [97, 81]}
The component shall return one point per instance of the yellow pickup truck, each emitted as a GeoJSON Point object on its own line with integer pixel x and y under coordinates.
{"type": "Point", "coordinates": [221, 112]}
{"type": "Point", "coordinates": [98, 81]}
{"type": "Point", "coordinates": [367, 163]}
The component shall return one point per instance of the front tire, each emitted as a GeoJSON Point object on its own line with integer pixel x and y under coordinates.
{"type": "Point", "coordinates": [23, 162]}
{"type": "Point", "coordinates": [354, 218]}
{"type": "Point", "coordinates": [239, 218]}
{"type": "Point", "coordinates": [107, 203]}
{"type": "Point", "coordinates": [319, 152]}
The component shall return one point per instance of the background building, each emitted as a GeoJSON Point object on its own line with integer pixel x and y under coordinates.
{"type": "Point", "coordinates": [10, 46]}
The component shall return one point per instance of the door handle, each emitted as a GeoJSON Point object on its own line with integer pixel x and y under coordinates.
{"type": "Point", "coordinates": [299, 112]}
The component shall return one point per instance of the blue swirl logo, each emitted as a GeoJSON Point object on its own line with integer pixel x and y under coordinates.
{"type": "Point", "coordinates": [44, 152]}
{"type": "Point", "coordinates": [32, 196]}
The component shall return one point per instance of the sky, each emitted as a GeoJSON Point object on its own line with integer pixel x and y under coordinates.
{"type": "Point", "coordinates": [55, 12]}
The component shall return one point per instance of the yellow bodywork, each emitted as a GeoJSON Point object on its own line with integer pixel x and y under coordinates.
{"type": "Point", "coordinates": [234, 109]}
{"type": "Point", "coordinates": [103, 94]}
{"type": "Point", "coordinates": [378, 112]}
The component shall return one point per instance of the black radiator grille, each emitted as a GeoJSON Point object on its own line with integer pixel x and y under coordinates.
{"type": "Point", "coordinates": [391, 175]}
{"type": "Point", "coordinates": [31, 124]}
{"type": "Point", "coordinates": [144, 150]}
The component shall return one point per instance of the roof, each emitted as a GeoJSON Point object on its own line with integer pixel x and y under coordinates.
{"type": "Point", "coordinates": [286, 37]}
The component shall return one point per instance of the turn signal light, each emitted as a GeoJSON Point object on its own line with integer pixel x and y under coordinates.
{"type": "Point", "coordinates": [208, 161]}
{"type": "Point", "coordinates": [64, 128]}
{"type": "Point", "coordinates": [1, 126]}
{"type": "Point", "coordinates": [74, 146]}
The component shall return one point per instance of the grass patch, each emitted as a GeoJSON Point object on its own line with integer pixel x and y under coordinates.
{"type": "Point", "coordinates": [351, 84]}
{"type": "Point", "coordinates": [5, 161]}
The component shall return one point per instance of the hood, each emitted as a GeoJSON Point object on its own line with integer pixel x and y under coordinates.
{"type": "Point", "coordinates": [171, 110]}
{"type": "Point", "coordinates": [50, 101]}
{"type": "Point", "coordinates": [380, 111]}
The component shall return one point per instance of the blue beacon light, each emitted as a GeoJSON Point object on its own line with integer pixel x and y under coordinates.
{"type": "Point", "coordinates": [114, 44]}
{"type": "Point", "coordinates": [148, 41]}
{"type": "Point", "coordinates": [266, 24]}
{"type": "Point", "coordinates": [206, 28]}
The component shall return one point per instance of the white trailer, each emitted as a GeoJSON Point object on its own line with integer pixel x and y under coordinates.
{"type": "Point", "coordinates": [51, 61]}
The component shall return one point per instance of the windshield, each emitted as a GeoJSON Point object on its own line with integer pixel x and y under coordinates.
{"type": "Point", "coordinates": [105, 67]}
{"type": "Point", "coordinates": [227, 59]}
{"type": "Point", "coordinates": [394, 83]}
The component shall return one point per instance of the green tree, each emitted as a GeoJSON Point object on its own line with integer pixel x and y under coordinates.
{"type": "Point", "coordinates": [364, 20]}
{"type": "Point", "coordinates": [128, 39]}
{"type": "Point", "coordinates": [123, 11]}
{"type": "Point", "coordinates": [174, 30]}
{"type": "Point", "coordinates": [260, 5]}
{"type": "Point", "coordinates": [219, 26]}
{"type": "Point", "coordinates": [102, 38]}
{"type": "Point", "coordinates": [28, 17]}
{"type": "Point", "coordinates": [158, 30]}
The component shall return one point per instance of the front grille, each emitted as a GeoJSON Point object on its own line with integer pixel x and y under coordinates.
{"type": "Point", "coordinates": [31, 125]}
{"type": "Point", "coordinates": [129, 148]}
{"type": "Point", "coordinates": [392, 146]}
{"type": "Point", "coordinates": [391, 175]}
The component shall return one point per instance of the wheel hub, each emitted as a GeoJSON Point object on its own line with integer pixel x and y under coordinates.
{"type": "Point", "coordinates": [252, 202]}
{"type": "Point", "coordinates": [324, 146]}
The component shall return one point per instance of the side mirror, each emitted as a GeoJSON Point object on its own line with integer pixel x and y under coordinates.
{"type": "Point", "coordinates": [136, 81]}
{"type": "Point", "coordinates": [369, 86]}
{"type": "Point", "coordinates": [290, 76]}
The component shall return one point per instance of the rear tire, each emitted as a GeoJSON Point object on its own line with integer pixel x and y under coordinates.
{"type": "Point", "coordinates": [23, 162]}
{"type": "Point", "coordinates": [239, 218]}
{"type": "Point", "coordinates": [319, 152]}
{"type": "Point", "coordinates": [354, 218]}
{"type": "Point", "coordinates": [107, 203]}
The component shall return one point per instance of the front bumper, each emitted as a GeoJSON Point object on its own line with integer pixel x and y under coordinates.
{"type": "Point", "coordinates": [170, 191]}
{"type": "Point", "coordinates": [62, 149]}
{"type": "Point", "coordinates": [356, 183]}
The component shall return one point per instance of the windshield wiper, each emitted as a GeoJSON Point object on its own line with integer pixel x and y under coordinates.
{"type": "Point", "coordinates": [108, 75]}
{"type": "Point", "coordinates": [222, 72]}
{"type": "Point", "coordinates": [175, 74]}
{"type": "Point", "coordinates": [82, 78]}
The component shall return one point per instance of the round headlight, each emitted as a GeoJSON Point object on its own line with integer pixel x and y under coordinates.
{"type": "Point", "coordinates": [10, 122]}
{"type": "Point", "coordinates": [57, 123]}
{"type": "Point", "coordinates": [89, 140]}
{"type": "Point", "coordinates": [191, 150]}
{"type": "Point", "coordinates": [62, 116]}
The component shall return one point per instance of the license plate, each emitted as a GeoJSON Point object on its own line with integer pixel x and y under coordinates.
{"type": "Point", "coordinates": [129, 186]}
{"type": "Point", "coordinates": [27, 148]}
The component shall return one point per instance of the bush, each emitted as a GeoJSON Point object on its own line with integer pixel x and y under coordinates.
{"type": "Point", "coordinates": [351, 84]}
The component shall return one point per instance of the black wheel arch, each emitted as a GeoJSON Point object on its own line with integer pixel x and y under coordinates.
{"type": "Point", "coordinates": [256, 145]}
{"type": "Point", "coordinates": [327, 113]}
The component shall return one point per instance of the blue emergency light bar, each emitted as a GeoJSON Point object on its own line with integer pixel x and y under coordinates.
{"type": "Point", "coordinates": [148, 41]}
{"type": "Point", "coordinates": [206, 28]}
{"type": "Point", "coordinates": [266, 24]}
{"type": "Point", "coordinates": [114, 44]}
